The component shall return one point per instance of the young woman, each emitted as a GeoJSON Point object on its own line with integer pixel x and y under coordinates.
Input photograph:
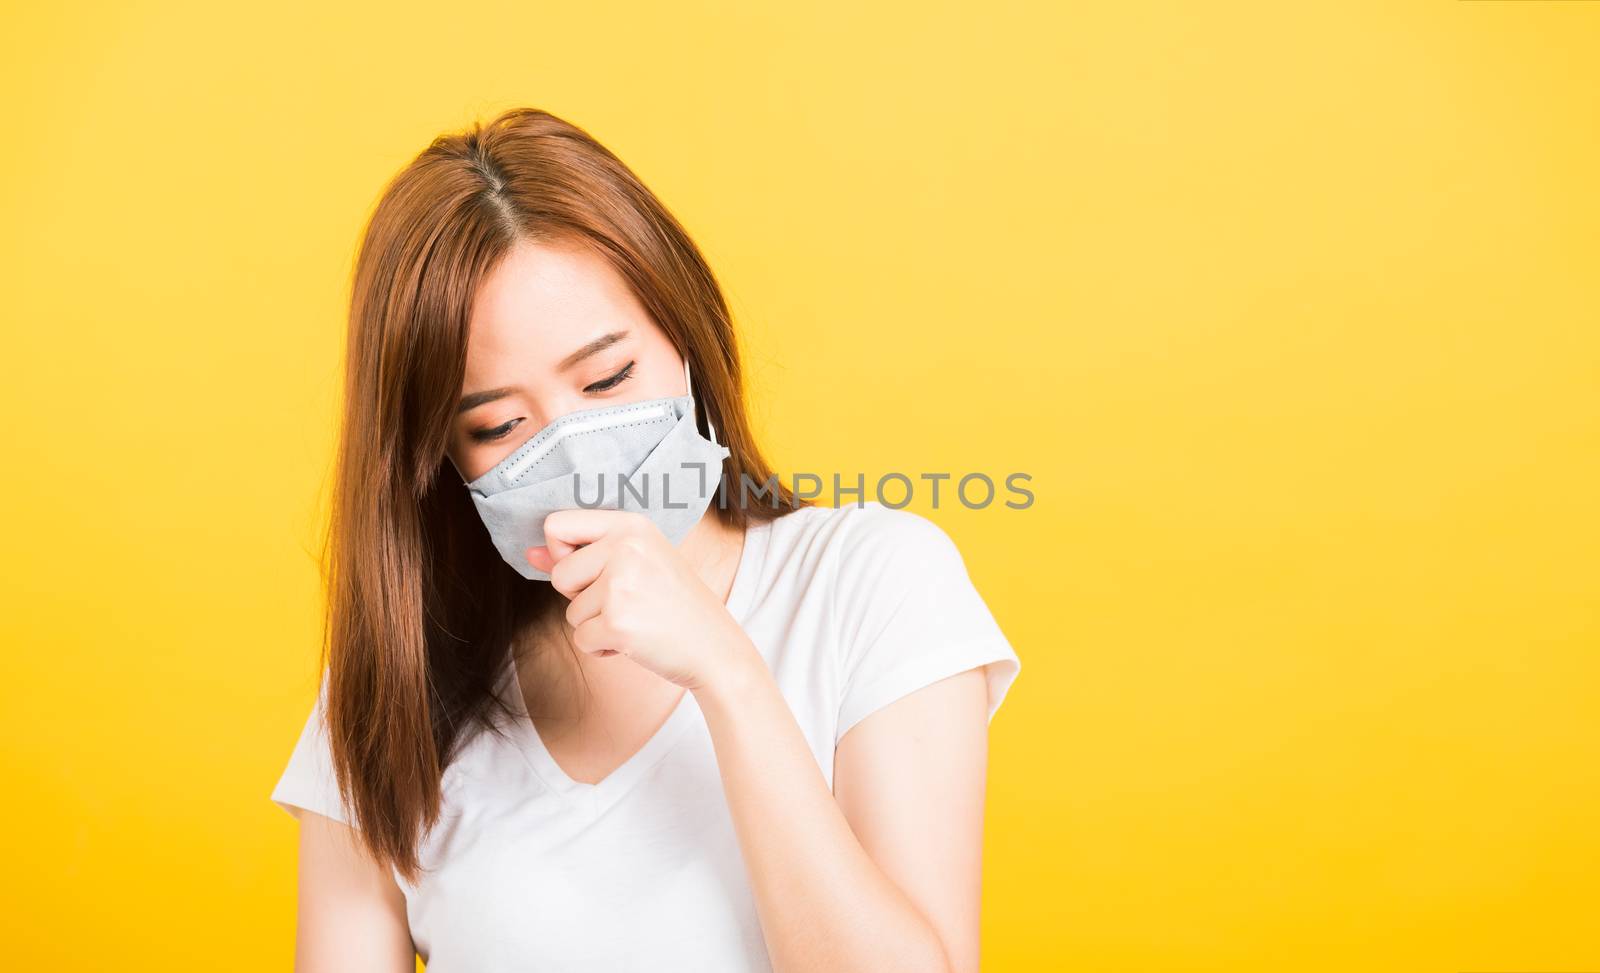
{"type": "Point", "coordinates": [708, 733]}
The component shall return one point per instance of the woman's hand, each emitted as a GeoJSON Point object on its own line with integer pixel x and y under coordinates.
{"type": "Point", "coordinates": [631, 592]}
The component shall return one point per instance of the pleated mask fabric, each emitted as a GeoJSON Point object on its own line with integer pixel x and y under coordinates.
{"type": "Point", "coordinates": [645, 456]}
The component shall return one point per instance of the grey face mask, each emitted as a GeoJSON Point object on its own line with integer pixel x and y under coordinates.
{"type": "Point", "coordinates": [646, 456]}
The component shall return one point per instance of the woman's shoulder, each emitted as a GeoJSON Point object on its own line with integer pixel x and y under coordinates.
{"type": "Point", "coordinates": [864, 541]}
{"type": "Point", "coordinates": [898, 609]}
{"type": "Point", "coordinates": [869, 522]}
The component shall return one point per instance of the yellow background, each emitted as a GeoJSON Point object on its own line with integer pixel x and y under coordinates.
{"type": "Point", "coordinates": [1290, 310]}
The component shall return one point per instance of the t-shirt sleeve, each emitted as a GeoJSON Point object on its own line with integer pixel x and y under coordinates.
{"type": "Point", "coordinates": [909, 614]}
{"type": "Point", "coordinates": [308, 781]}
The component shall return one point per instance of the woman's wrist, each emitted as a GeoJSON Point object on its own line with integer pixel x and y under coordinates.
{"type": "Point", "coordinates": [739, 670]}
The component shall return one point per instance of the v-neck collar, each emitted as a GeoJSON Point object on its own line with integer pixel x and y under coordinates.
{"type": "Point", "coordinates": [596, 797]}
{"type": "Point", "coordinates": [593, 797]}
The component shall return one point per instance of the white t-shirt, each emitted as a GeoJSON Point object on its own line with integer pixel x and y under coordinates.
{"type": "Point", "coordinates": [851, 607]}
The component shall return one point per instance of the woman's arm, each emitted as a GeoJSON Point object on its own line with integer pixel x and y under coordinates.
{"type": "Point", "coordinates": [352, 916]}
{"type": "Point", "coordinates": [885, 875]}
{"type": "Point", "coordinates": [910, 779]}
{"type": "Point", "coordinates": [897, 893]}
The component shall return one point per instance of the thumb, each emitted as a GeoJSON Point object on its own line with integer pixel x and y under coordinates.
{"type": "Point", "coordinates": [541, 558]}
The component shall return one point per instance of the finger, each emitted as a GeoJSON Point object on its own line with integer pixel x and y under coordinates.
{"type": "Point", "coordinates": [574, 572]}
{"type": "Point", "coordinates": [579, 525]}
{"type": "Point", "coordinates": [595, 637]}
{"type": "Point", "coordinates": [586, 604]}
{"type": "Point", "coordinates": [540, 558]}
{"type": "Point", "coordinates": [558, 548]}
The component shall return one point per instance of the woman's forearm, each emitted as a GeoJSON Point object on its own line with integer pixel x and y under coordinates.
{"type": "Point", "coordinates": [824, 903]}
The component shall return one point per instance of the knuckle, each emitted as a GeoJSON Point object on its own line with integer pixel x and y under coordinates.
{"type": "Point", "coordinates": [634, 544]}
{"type": "Point", "coordinates": [624, 586]}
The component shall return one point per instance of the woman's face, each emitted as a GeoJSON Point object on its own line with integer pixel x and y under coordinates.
{"type": "Point", "coordinates": [554, 329]}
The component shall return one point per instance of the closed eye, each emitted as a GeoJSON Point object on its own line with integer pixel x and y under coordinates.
{"type": "Point", "coordinates": [607, 384]}
{"type": "Point", "coordinates": [604, 385]}
{"type": "Point", "coordinates": [490, 435]}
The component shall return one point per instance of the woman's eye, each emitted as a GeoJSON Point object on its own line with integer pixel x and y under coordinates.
{"type": "Point", "coordinates": [490, 435]}
{"type": "Point", "coordinates": [604, 385]}
{"type": "Point", "coordinates": [607, 384]}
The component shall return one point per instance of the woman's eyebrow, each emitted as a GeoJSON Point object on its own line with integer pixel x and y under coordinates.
{"type": "Point", "coordinates": [597, 345]}
{"type": "Point", "coordinates": [472, 400]}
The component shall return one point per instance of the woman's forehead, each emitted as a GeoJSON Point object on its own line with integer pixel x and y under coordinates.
{"type": "Point", "coordinates": [549, 301]}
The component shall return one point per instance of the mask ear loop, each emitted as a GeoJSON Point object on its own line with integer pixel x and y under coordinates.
{"type": "Point", "coordinates": [688, 390]}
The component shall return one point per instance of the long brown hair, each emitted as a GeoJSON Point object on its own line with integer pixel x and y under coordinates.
{"type": "Point", "coordinates": [421, 609]}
